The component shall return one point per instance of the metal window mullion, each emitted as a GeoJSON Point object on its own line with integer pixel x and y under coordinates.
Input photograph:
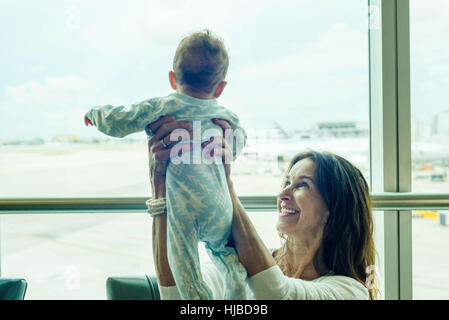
{"type": "Point", "coordinates": [382, 126]}
{"type": "Point", "coordinates": [404, 146]}
{"type": "Point", "coordinates": [0, 246]}
{"type": "Point", "coordinates": [390, 139]}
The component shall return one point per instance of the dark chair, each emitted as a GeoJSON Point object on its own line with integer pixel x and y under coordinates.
{"type": "Point", "coordinates": [132, 288]}
{"type": "Point", "coordinates": [12, 289]}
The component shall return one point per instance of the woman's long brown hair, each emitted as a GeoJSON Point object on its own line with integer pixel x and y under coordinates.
{"type": "Point", "coordinates": [348, 244]}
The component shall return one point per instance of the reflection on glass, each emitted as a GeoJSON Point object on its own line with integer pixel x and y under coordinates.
{"type": "Point", "coordinates": [298, 79]}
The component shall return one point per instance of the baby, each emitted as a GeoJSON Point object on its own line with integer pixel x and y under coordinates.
{"type": "Point", "coordinates": [199, 207]}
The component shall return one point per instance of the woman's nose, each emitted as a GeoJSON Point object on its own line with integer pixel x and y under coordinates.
{"type": "Point", "coordinates": [284, 196]}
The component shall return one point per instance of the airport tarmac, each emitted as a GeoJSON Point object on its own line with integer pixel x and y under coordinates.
{"type": "Point", "coordinates": [70, 256]}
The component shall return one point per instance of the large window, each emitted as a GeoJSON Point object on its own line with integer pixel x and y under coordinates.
{"type": "Point", "coordinates": [298, 79]}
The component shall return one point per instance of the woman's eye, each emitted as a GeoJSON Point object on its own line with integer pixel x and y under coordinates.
{"type": "Point", "coordinates": [297, 186]}
{"type": "Point", "coordinates": [302, 184]}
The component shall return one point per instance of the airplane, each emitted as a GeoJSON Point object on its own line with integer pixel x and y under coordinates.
{"type": "Point", "coordinates": [430, 153]}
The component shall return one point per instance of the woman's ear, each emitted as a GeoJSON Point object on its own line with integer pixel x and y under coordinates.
{"type": "Point", "coordinates": [172, 79]}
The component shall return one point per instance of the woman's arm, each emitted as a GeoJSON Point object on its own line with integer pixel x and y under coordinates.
{"type": "Point", "coordinates": [252, 252]}
{"type": "Point", "coordinates": [158, 158]}
{"type": "Point", "coordinates": [163, 271]}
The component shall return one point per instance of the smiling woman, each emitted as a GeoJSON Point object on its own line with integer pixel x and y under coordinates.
{"type": "Point", "coordinates": [325, 210]}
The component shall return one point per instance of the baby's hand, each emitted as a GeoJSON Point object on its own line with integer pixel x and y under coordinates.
{"type": "Point", "coordinates": [87, 121]}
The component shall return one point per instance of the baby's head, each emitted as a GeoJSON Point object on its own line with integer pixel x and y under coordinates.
{"type": "Point", "coordinates": [200, 65]}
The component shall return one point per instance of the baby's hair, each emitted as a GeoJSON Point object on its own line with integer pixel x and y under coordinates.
{"type": "Point", "coordinates": [201, 61]}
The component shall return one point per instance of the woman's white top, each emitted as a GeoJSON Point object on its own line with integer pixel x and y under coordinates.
{"type": "Point", "coordinates": [272, 284]}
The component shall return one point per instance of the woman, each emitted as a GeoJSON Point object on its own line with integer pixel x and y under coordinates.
{"type": "Point", "coordinates": [324, 217]}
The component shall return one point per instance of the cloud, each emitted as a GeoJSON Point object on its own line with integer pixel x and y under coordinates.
{"type": "Point", "coordinates": [326, 79]}
{"type": "Point", "coordinates": [116, 27]}
{"type": "Point", "coordinates": [338, 50]}
{"type": "Point", "coordinates": [429, 26]}
{"type": "Point", "coordinates": [45, 108]}
{"type": "Point", "coordinates": [56, 91]}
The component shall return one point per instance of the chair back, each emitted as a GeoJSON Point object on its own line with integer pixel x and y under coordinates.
{"type": "Point", "coordinates": [132, 288]}
{"type": "Point", "coordinates": [12, 289]}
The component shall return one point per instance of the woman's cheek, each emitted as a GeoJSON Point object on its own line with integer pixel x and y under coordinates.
{"type": "Point", "coordinates": [298, 195]}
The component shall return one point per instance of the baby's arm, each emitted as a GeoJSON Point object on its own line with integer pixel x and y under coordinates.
{"type": "Point", "coordinates": [119, 121]}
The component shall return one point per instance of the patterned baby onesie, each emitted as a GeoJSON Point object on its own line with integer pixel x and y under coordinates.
{"type": "Point", "coordinates": [199, 206]}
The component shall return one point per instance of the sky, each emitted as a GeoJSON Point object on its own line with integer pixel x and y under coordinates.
{"type": "Point", "coordinates": [293, 62]}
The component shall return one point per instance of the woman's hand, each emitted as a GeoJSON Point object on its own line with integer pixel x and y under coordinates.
{"type": "Point", "coordinates": [159, 149]}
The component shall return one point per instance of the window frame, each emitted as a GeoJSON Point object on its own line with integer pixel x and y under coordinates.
{"type": "Point", "coordinates": [390, 138]}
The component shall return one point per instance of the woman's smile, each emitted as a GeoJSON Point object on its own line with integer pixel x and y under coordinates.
{"type": "Point", "coordinates": [287, 211]}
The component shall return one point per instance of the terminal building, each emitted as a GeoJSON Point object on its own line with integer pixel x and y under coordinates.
{"type": "Point", "coordinates": [345, 129]}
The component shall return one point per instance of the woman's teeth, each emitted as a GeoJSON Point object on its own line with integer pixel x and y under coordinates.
{"type": "Point", "coordinates": [286, 212]}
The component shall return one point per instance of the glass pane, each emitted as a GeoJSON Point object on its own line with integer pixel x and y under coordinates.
{"type": "Point", "coordinates": [378, 271]}
{"type": "Point", "coordinates": [430, 255]}
{"type": "Point", "coordinates": [70, 256]}
{"type": "Point", "coordinates": [429, 100]}
{"type": "Point", "coordinates": [429, 52]}
{"type": "Point", "coordinates": [298, 79]}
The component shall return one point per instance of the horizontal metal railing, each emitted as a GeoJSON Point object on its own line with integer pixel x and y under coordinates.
{"type": "Point", "coordinates": [106, 205]}
{"type": "Point", "coordinates": [410, 201]}
{"type": "Point", "coordinates": [380, 202]}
